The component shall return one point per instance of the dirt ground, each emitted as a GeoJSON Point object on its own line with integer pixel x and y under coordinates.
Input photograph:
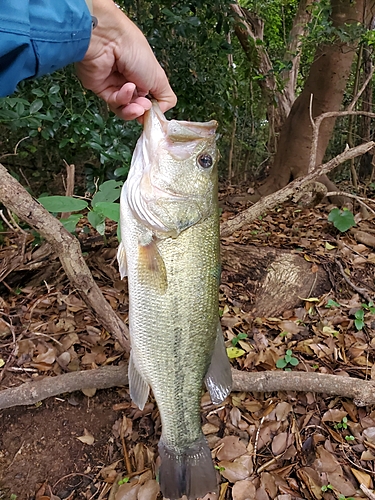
{"type": "Point", "coordinates": [276, 446]}
{"type": "Point", "coordinates": [39, 444]}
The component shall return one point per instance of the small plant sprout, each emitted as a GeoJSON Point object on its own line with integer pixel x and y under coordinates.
{"type": "Point", "coordinates": [237, 338]}
{"type": "Point", "coordinates": [220, 469]}
{"type": "Point", "coordinates": [350, 438]}
{"type": "Point", "coordinates": [288, 359]}
{"type": "Point", "coordinates": [331, 304]}
{"type": "Point", "coordinates": [341, 219]}
{"type": "Point", "coordinates": [326, 487]}
{"type": "Point", "coordinates": [359, 319]}
{"type": "Point", "coordinates": [123, 481]}
{"type": "Point", "coordinates": [343, 424]}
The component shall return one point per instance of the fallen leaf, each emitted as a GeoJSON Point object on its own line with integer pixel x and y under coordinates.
{"type": "Point", "coordinates": [231, 447]}
{"type": "Point", "coordinates": [87, 438]}
{"type": "Point", "coordinates": [149, 490]}
{"type": "Point", "coordinates": [233, 471]}
{"type": "Point", "coordinates": [243, 490]}
{"type": "Point", "coordinates": [128, 491]}
{"type": "Point", "coordinates": [280, 443]}
{"type": "Point", "coordinates": [362, 477]}
{"type": "Point", "coordinates": [334, 415]}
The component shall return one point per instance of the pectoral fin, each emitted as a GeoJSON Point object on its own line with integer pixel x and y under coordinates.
{"type": "Point", "coordinates": [151, 260]}
{"type": "Point", "coordinates": [121, 259]}
{"type": "Point", "coordinates": [138, 387]}
{"type": "Point", "coordinates": [219, 376]}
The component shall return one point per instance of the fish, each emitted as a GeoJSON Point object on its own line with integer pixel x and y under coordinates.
{"type": "Point", "coordinates": [169, 250]}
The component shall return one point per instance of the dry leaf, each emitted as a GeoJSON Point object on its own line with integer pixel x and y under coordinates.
{"type": "Point", "coordinates": [231, 448]}
{"type": "Point", "coordinates": [334, 415]}
{"type": "Point", "coordinates": [89, 392]}
{"type": "Point", "coordinates": [149, 490]}
{"type": "Point", "coordinates": [87, 438]}
{"type": "Point", "coordinates": [280, 443]}
{"type": "Point", "coordinates": [362, 477]}
{"type": "Point", "coordinates": [282, 410]}
{"type": "Point", "coordinates": [233, 471]}
{"type": "Point", "coordinates": [243, 490]}
{"type": "Point", "coordinates": [128, 491]}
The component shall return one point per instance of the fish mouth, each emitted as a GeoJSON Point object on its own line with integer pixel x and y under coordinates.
{"type": "Point", "coordinates": [149, 198]}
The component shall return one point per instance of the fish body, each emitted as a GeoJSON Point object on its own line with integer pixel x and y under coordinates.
{"type": "Point", "coordinates": [170, 253]}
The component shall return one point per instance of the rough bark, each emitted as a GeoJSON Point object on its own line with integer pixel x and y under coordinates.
{"type": "Point", "coordinates": [67, 247]}
{"type": "Point", "coordinates": [326, 83]}
{"type": "Point", "coordinates": [249, 30]}
{"type": "Point", "coordinates": [361, 391]}
{"type": "Point", "coordinates": [365, 165]}
{"type": "Point", "coordinates": [272, 280]}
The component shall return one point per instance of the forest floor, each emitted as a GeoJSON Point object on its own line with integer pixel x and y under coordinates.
{"type": "Point", "coordinates": [282, 445]}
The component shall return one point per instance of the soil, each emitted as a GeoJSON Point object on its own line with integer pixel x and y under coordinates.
{"type": "Point", "coordinates": [39, 445]}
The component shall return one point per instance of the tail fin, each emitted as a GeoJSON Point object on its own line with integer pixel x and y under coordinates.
{"type": "Point", "coordinates": [190, 472]}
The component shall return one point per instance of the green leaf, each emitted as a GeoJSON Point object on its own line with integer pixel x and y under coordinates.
{"type": "Point", "coordinates": [360, 314]}
{"type": "Point", "coordinates": [97, 221]}
{"type": "Point", "coordinates": [341, 219]}
{"type": "Point", "coordinates": [359, 324]}
{"type": "Point", "coordinates": [110, 210]}
{"type": "Point", "coordinates": [293, 361]}
{"type": "Point", "coordinates": [109, 191]}
{"type": "Point", "coordinates": [281, 363]}
{"type": "Point", "coordinates": [234, 352]}
{"type": "Point", "coordinates": [62, 204]}
{"type": "Point", "coordinates": [36, 106]}
{"type": "Point", "coordinates": [71, 222]}
{"type": "Point", "coordinates": [332, 303]}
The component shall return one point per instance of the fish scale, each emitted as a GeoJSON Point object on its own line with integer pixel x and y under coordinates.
{"type": "Point", "coordinates": [170, 253]}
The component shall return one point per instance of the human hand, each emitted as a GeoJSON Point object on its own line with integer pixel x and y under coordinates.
{"type": "Point", "coordinates": [120, 67]}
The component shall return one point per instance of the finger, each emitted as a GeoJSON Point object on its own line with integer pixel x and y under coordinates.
{"type": "Point", "coordinates": [130, 111]}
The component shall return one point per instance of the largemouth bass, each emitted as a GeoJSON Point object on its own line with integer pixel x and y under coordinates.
{"type": "Point", "coordinates": [170, 253]}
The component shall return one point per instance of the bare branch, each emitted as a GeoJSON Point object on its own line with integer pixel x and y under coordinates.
{"type": "Point", "coordinates": [361, 391]}
{"type": "Point", "coordinates": [67, 247]}
{"type": "Point", "coordinates": [270, 201]}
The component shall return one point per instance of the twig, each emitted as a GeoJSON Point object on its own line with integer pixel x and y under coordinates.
{"type": "Point", "coordinates": [361, 90]}
{"type": "Point", "coordinates": [15, 148]}
{"type": "Point", "coordinates": [128, 465]}
{"type": "Point", "coordinates": [256, 440]}
{"type": "Point", "coordinates": [369, 494]}
{"type": "Point", "coordinates": [354, 197]}
{"type": "Point", "coordinates": [270, 201]}
{"type": "Point", "coordinates": [361, 391]}
{"type": "Point", "coordinates": [12, 355]}
{"type": "Point", "coordinates": [361, 291]}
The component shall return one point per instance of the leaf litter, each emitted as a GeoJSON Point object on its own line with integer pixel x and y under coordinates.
{"type": "Point", "coordinates": [281, 445]}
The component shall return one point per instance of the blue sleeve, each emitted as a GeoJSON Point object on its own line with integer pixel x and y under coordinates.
{"type": "Point", "coordinates": [40, 36]}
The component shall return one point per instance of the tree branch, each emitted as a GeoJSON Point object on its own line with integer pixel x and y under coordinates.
{"type": "Point", "coordinates": [67, 247]}
{"type": "Point", "coordinates": [270, 201]}
{"type": "Point", "coordinates": [361, 391]}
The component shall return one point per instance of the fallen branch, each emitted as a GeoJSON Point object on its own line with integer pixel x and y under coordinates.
{"type": "Point", "coordinates": [270, 201]}
{"type": "Point", "coordinates": [67, 247]}
{"type": "Point", "coordinates": [361, 391]}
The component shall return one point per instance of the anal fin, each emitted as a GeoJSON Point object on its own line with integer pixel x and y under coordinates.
{"type": "Point", "coordinates": [218, 379]}
{"type": "Point", "coordinates": [138, 387]}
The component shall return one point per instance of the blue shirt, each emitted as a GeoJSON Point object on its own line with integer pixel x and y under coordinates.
{"type": "Point", "coordinates": [40, 36]}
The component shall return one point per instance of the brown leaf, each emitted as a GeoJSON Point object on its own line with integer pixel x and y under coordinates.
{"type": "Point", "coordinates": [233, 471]}
{"type": "Point", "coordinates": [282, 410]}
{"type": "Point", "coordinates": [243, 490]}
{"type": "Point", "coordinates": [231, 448]}
{"type": "Point", "coordinates": [280, 443]}
{"type": "Point", "coordinates": [87, 438]}
{"type": "Point", "coordinates": [128, 491]}
{"type": "Point", "coordinates": [334, 415]}
{"type": "Point", "coordinates": [149, 490]}
{"type": "Point", "coordinates": [362, 477]}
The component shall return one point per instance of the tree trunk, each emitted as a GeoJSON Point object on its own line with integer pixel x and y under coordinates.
{"type": "Point", "coordinates": [326, 84]}
{"type": "Point", "coordinates": [365, 165]}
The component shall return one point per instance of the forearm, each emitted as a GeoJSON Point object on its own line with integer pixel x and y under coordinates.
{"type": "Point", "coordinates": [39, 37]}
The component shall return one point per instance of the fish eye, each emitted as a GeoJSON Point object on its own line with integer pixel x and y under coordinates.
{"type": "Point", "coordinates": [205, 160]}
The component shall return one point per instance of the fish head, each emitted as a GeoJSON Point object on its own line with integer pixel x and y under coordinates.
{"type": "Point", "coordinates": [172, 182]}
